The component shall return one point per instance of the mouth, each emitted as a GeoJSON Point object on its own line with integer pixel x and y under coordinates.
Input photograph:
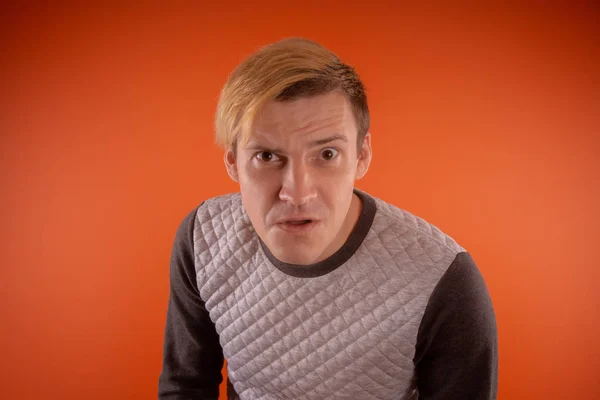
{"type": "Point", "coordinates": [297, 225]}
{"type": "Point", "coordinates": [299, 222]}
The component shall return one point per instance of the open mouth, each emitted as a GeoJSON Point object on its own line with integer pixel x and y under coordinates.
{"type": "Point", "coordinates": [298, 225]}
{"type": "Point", "coordinates": [299, 222]}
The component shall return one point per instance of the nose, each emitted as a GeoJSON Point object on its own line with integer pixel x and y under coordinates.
{"type": "Point", "coordinates": [298, 184]}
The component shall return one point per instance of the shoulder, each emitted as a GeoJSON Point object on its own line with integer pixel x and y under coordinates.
{"type": "Point", "coordinates": [218, 210]}
{"type": "Point", "coordinates": [462, 290]}
{"type": "Point", "coordinates": [223, 205]}
{"type": "Point", "coordinates": [222, 214]}
{"type": "Point", "coordinates": [211, 214]}
{"type": "Point", "coordinates": [220, 203]}
{"type": "Point", "coordinates": [413, 231]}
{"type": "Point", "coordinates": [218, 223]}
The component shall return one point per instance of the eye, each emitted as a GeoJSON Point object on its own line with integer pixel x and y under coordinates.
{"type": "Point", "coordinates": [266, 156]}
{"type": "Point", "coordinates": [329, 154]}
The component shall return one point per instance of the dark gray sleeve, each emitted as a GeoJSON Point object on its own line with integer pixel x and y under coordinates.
{"type": "Point", "coordinates": [457, 345]}
{"type": "Point", "coordinates": [192, 355]}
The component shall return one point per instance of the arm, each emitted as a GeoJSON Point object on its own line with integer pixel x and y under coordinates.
{"type": "Point", "coordinates": [457, 344]}
{"type": "Point", "coordinates": [192, 355]}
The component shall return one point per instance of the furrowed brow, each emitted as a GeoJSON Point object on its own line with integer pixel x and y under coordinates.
{"type": "Point", "coordinates": [253, 146]}
{"type": "Point", "coordinates": [262, 147]}
{"type": "Point", "coordinates": [330, 139]}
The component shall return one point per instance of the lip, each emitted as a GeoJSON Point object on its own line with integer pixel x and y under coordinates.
{"type": "Point", "coordinates": [294, 228]}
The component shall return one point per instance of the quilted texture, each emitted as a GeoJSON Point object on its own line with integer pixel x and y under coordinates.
{"type": "Point", "coordinates": [349, 334]}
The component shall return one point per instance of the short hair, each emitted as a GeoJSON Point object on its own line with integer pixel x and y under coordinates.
{"type": "Point", "coordinates": [283, 71]}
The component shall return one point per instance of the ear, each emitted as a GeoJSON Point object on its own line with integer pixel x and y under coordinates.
{"type": "Point", "coordinates": [230, 164]}
{"type": "Point", "coordinates": [364, 157]}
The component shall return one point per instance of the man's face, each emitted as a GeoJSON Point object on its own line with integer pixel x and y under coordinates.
{"type": "Point", "coordinates": [297, 174]}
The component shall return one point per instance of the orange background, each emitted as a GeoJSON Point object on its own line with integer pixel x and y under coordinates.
{"type": "Point", "coordinates": [485, 122]}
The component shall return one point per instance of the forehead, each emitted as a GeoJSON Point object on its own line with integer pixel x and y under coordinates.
{"type": "Point", "coordinates": [306, 117]}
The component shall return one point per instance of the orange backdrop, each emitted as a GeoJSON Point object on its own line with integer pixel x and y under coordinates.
{"type": "Point", "coordinates": [485, 121]}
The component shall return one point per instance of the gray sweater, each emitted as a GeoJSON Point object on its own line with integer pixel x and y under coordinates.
{"type": "Point", "coordinates": [399, 312]}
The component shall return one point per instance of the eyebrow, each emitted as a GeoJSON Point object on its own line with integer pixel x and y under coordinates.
{"type": "Point", "coordinates": [330, 139]}
{"type": "Point", "coordinates": [320, 142]}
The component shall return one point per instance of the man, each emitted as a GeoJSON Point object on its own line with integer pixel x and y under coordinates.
{"type": "Point", "coordinates": [307, 286]}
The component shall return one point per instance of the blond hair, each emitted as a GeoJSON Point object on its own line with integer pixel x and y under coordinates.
{"type": "Point", "coordinates": [284, 71]}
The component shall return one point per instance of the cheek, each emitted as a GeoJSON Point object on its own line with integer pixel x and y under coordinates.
{"type": "Point", "coordinates": [341, 176]}
{"type": "Point", "coordinates": [336, 191]}
{"type": "Point", "coordinates": [259, 189]}
{"type": "Point", "coordinates": [260, 181]}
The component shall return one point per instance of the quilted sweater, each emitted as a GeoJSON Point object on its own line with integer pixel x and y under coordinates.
{"type": "Point", "coordinates": [400, 311]}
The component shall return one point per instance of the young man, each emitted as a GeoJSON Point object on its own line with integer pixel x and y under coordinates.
{"type": "Point", "coordinates": [308, 287]}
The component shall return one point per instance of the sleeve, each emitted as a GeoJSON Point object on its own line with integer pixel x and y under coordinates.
{"type": "Point", "coordinates": [192, 355]}
{"type": "Point", "coordinates": [457, 344]}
